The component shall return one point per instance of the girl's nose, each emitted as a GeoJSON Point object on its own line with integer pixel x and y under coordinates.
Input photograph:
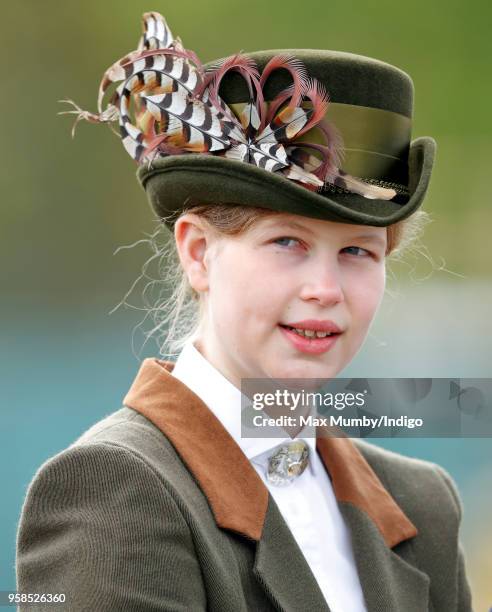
{"type": "Point", "coordinates": [324, 287]}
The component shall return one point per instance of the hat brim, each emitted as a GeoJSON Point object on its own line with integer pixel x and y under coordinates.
{"type": "Point", "coordinates": [175, 182]}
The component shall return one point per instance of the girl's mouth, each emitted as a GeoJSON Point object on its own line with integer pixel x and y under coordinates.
{"type": "Point", "coordinates": [309, 341]}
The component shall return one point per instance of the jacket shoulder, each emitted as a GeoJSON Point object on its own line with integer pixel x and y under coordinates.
{"type": "Point", "coordinates": [128, 429]}
{"type": "Point", "coordinates": [124, 426]}
{"type": "Point", "coordinates": [130, 443]}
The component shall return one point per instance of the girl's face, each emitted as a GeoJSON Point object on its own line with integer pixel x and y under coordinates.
{"type": "Point", "coordinates": [286, 270]}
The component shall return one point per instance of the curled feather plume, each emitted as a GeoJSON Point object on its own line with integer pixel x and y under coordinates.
{"type": "Point", "coordinates": [177, 110]}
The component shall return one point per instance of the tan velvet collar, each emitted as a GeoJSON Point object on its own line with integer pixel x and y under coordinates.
{"type": "Point", "coordinates": [236, 494]}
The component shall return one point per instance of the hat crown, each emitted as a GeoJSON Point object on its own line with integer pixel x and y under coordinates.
{"type": "Point", "coordinates": [349, 79]}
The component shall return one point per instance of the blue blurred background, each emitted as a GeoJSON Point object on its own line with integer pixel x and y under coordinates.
{"type": "Point", "coordinates": [68, 205]}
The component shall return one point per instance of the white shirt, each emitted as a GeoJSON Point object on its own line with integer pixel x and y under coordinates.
{"type": "Point", "coordinates": [308, 505]}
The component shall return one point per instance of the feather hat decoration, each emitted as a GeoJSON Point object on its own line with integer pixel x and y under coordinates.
{"type": "Point", "coordinates": [168, 104]}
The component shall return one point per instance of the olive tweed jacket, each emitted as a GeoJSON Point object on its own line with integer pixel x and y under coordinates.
{"type": "Point", "coordinates": [156, 508]}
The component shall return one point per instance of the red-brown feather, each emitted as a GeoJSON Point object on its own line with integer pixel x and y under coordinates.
{"type": "Point", "coordinates": [246, 66]}
{"type": "Point", "coordinates": [320, 99]}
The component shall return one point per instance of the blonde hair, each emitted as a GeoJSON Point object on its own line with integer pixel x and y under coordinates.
{"type": "Point", "coordinates": [177, 311]}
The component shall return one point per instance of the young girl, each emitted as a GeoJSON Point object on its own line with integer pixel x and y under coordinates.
{"type": "Point", "coordinates": [283, 207]}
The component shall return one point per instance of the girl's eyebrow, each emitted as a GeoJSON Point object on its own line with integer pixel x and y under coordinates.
{"type": "Point", "coordinates": [291, 224]}
{"type": "Point", "coordinates": [377, 239]}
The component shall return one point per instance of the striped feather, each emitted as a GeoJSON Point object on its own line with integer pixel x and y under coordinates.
{"type": "Point", "coordinates": [296, 173]}
{"type": "Point", "coordinates": [239, 152]}
{"type": "Point", "coordinates": [269, 157]}
{"type": "Point", "coordinates": [225, 112]}
{"type": "Point", "coordinates": [372, 192]}
{"type": "Point", "coordinates": [156, 32]}
{"type": "Point", "coordinates": [285, 126]}
{"type": "Point", "coordinates": [250, 119]}
{"type": "Point", "coordinates": [189, 123]}
{"type": "Point", "coordinates": [170, 62]}
{"type": "Point", "coordinates": [274, 153]}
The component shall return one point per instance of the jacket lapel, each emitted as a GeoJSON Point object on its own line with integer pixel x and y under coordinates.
{"type": "Point", "coordinates": [389, 582]}
{"type": "Point", "coordinates": [241, 502]}
{"type": "Point", "coordinates": [282, 569]}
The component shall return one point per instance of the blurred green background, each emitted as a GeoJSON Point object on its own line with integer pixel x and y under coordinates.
{"type": "Point", "coordinates": [67, 205]}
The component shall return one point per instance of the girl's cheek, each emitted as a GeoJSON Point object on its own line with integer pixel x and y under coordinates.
{"type": "Point", "coordinates": [369, 302]}
{"type": "Point", "coordinates": [373, 293]}
{"type": "Point", "coordinates": [365, 297]}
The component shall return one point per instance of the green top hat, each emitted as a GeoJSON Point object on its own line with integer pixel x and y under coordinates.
{"type": "Point", "coordinates": [325, 134]}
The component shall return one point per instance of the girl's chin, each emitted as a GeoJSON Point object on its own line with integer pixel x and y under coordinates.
{"type": "Point", "coordinates": [316, 374]}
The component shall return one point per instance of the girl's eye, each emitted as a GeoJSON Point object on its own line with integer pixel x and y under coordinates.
{"type": "Point", "coordinates": [364, 251]}
{"type": "Point", "coordinates": [285, 239]}
{"type": "Point", "coordinates": [290, 242]}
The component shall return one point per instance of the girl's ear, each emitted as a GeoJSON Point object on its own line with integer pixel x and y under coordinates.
{"type": "Point", "coordinates": [192, 242]}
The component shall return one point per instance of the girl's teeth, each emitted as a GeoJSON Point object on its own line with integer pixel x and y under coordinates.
{"type": "Point", "coordinates": [309, 333]}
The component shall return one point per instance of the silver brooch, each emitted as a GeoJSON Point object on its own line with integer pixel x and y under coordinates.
{"type": "Point", "coordinates": [287, 463]}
